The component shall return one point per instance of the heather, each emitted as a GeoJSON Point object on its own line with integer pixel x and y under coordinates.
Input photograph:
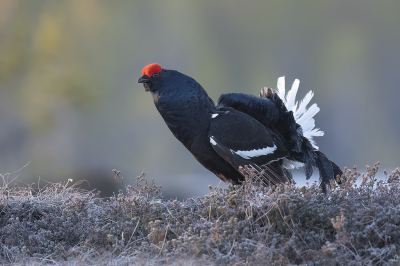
{"type": "Point", "coordinates": [354, 223]}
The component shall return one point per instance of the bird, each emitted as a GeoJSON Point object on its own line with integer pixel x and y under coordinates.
{"type": "Point", "coordinates": [267, 135]}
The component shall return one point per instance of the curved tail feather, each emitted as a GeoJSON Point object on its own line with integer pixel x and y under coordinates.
{"type": "Point", "coordinates": [325, 169]}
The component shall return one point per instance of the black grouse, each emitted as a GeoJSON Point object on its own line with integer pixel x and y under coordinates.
{"type": "Point", "coordinates": [269, 135]}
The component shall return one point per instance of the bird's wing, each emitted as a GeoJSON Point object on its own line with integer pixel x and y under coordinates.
{"type": "Point", "coordinates": [241, 140]}
{"type": "Point", "coordinates": [262, 109]}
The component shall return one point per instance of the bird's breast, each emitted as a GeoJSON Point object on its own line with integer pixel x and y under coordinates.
{"type": "Point", "coordinates": [186, 119]}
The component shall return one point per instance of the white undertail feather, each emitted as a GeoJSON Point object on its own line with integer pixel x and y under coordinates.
{"type": "Point", "coordinates": [288, 164]}
{"type": "Point", "coordinates": [291, 96]}
{"type": "Point", "coordinates": [281, 88]}
{"type": "Point", "coordinates": [302, 115]}
{"type": "Point", "coordinates": [303, 104]}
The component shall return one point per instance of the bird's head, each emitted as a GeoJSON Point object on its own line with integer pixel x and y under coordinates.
{"type": "Point", "coordinates": [169, 83]}
{"type": "Point", "coordinates": [151, 75]}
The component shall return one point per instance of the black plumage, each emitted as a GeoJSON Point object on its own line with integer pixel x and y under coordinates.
{"type": "Point", "coordinates": [241, 140]}
{"type": "Point", "coordinates": [241, 130]}
{"type": "Point", "coordinates": [283, 122]}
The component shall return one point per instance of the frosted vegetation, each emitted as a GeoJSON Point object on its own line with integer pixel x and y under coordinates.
{"type": "Point", "coordinates": [353, 224]}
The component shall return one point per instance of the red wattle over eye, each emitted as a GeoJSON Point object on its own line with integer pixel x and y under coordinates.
{"type": "Point", "coordinates": [151, 69]}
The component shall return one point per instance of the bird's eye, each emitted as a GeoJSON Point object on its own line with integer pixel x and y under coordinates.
{"type": "Point", "coordinates": [155, 74]}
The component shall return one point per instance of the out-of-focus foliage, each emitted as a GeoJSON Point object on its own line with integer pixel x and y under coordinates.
{"type": "Point", "coordinates": [241, 225]}
{"type": "Point", "coordinates": [70, 104]}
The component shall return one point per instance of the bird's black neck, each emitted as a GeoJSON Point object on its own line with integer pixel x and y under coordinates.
{"type": "Point", "coordinates": [188, 115]}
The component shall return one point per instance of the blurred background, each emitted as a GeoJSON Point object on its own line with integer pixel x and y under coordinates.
{"type": "Point", "coordinates": [70, 104]}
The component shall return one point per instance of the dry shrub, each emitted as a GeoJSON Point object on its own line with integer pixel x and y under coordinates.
{"type": "Point", "coordinates": [242, 225]}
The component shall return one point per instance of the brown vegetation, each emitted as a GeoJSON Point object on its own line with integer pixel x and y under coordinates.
{"type": "Point", "coordinates": [352, 224]}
